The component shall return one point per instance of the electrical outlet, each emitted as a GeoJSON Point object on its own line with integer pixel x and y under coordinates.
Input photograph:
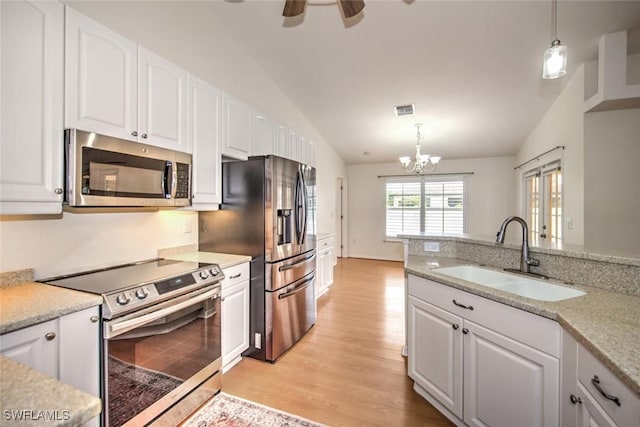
{"type": "Point", "coordinates": [432, 246]}
{"type": "Point", "coordinates": [258, 341]}
{"type": "Point", "coordinates": [186, 226]}
{"type": "Point", "coordinates": [570, 224]}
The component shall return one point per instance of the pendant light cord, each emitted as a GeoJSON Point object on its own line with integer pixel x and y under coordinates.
{"type": "Point", "coordinates": [554, 18]}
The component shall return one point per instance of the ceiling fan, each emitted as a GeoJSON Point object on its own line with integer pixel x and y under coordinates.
{"type": "Point", "coordinates": [350, 8]}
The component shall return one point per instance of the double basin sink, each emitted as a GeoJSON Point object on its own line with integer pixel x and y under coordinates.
{"type": "Point", "coordinates": [518, 285]}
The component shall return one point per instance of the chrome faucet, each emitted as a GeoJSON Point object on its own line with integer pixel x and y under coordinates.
{"type": "Point", "coordinates": [525, 261]}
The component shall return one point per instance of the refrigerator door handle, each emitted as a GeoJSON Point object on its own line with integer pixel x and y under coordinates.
{"type": "Point", "coordinates": [297, 264]}
{"type": "Point", "coordinates": [303, 185]}
{"type": "Point", "coordinates": [299, 207]}
{"type": "Point", "coordinates": [299, 288]}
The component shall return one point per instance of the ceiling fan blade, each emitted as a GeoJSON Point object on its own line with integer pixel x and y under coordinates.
{"type": "Point", "coordinates": [293, 8]}
{"type": "Point", "coordinates": [351, 7]}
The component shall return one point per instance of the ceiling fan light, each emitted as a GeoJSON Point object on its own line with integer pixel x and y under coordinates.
{"type": "Point", "coordinates": [555, 61]}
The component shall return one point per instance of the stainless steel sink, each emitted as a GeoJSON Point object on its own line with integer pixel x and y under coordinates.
{"type": "Point", "coordinates": [523, 286]}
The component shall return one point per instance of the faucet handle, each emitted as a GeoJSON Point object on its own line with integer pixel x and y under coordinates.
{"type": "Point", "coordinates": [534, 262]}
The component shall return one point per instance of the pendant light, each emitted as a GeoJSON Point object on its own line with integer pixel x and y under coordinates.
{"type": "Point", "coordinates": [555, 58]}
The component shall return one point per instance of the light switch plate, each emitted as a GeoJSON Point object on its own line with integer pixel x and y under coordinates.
{"type": "Point", "coordinates": [432, 246]}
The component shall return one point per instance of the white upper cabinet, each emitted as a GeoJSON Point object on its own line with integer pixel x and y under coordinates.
{"type": "Point", "coordinates": [263, 135]}
{"type": "Point", "coordinates": [117, 88]}
{"type": "Point", "coordinates": [281, 141]}
{"type": "Point", "coordinates": [162, 102]}
{"type": "Point", "coordinates": [237, 123]}
{"type": "Point", "coordinates": [204, 138]}
{"type": "Point", "coordinates": [31, 135]}
{"type": "Point", "coordinates": [101, 79]}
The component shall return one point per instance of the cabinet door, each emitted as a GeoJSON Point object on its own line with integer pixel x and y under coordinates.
{"type": "Point", "coordinates": [236, 127]}
{"type": "Point", "coordinates": [292, 145]}
{"type": "Point", "coordinates": [435, 352]}
{"type": "Point", "coordinates": [321, 269]}
{"type": "Point", "coordinates": [329, 268]}
{"type": "Point", "coordinates": [162, 108]}
{"type": "Point", "coordinates": [101, 79]}
{"type": "Point", "coordinates": [281, 142]}
{"type": "Point", "coordinates": [508, 383]}
{"type": "Point", "coordinates": [36, 347]}
{"type": "Point", "coordinates": [79, 350]}
{"type": "Point", "coordinates": [204, 133]}
{"type": "Point", "coordinates": [590, 414]}
{"type": "Point", "coordinates": [31, 137]}
{"type": "Point", "coordinates": [235, 323]}
{"type": "Point", "coordinates": [263, 136]}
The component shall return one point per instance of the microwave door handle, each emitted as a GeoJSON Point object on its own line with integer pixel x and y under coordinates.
{"type": "Point", "coordinates": [165, 180]}
{"type": "Point", "coordinates": [174, 182]}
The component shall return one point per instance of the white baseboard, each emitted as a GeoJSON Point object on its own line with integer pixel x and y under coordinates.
{"type": "Point", "coordinates": [378, 258]}
{"type": "Point", "coordinates": [444, 411]}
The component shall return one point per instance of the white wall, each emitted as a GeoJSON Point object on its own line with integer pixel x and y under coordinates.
{"type": "Point", "coordinates": [55, 245]}
{"type": "Point", "coordinates": [490, 193]}
{"type": "Point", "coordinates": [561, 125]}
{"type": "Point", "coordinates": [74, 242]}
{"type": "Point", "coordinates": [612, 175]}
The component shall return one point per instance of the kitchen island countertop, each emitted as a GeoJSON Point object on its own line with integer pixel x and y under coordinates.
{"type": "Point", "coordinates": [607, 323]}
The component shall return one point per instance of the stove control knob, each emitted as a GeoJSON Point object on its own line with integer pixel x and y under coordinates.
{"type": "Point", "coordinates": [214, 271]}
{"type": "Point", "coordinates": [142, 293]}
{"type": "Point", "coordinates": [204, 274]}
{"type": "Point", "coordinates": [123, 299]}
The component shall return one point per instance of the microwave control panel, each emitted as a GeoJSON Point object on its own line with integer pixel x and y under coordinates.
{"type": "Point", "coordinates": [182, 184]}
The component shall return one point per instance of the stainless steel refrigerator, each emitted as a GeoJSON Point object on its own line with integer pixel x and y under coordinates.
{"type": "Point", "coordinates": [269, 212]}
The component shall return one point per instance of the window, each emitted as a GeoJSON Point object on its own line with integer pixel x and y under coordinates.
{"type": "Point", "coordinates": [543, 191]}
{"type": "Point", "coordinates": [424, 204]}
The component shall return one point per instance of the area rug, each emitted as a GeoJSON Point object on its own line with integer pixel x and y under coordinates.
{"type": "Point", "coordinates": [132, 389]}
{"type": "Point", "coordinates": [230, 411]}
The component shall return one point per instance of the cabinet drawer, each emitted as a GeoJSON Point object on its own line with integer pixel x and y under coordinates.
{"type": "Point", "coordinates": [236, 274]}
{"type": "Point", "coordinates": [628, 413]}
{"type": "Point", "coordinates": [324, 243]}
{"type": "Point", "coordinates": [539, 332]}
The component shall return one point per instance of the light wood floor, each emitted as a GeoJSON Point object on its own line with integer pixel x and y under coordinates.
{"type": "Point", "coordinates": [347, 371]}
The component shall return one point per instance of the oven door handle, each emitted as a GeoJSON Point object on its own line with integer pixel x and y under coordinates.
{"type": "Point", "coordinates": [115, 328]}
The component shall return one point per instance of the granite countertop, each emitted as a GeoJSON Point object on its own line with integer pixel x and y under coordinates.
{"type": "Point", "coordinates": [41, 400]}
{"type": "Point", "coordinates": [29, 303]}
{"type": "Point", "coordinates": [223, 260]}
{"type": "Point", "coordinates": [606, 323]}
{"type": "Point", "coordinates": [574, 251]}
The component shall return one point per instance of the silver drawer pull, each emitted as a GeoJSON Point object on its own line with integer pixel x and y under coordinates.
{"type": "Point", "coordinates": [596, 383]}
{"type": "Point", "coordinates": [468, 307]}
{"type": "Point", "coordinates": [235, 276]}
{"type": "Point", "coordinates": [50, 336]}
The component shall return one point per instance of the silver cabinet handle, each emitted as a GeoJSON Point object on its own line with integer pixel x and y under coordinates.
{"type": "Point", "coordinates": [468, 307]}
{"type": "Point", "coordinates": [575, 399]}
{"type": "Point", "coordinates": [94, 319]}
{"type": "Point", "coordinates": [134, 133]}
{"type": "Point", "coordinates": [235, 276]}
{"type": "Point", "coordinates": [596, 383]}
{"type": "Point", "coordinates": [455, 326]}
{"type": "Point", "coordinates": [58, 191]}
{"type": "Point", "coordinates": [50, 336]}
{"type": "Point", "coordinates": [144, 136]}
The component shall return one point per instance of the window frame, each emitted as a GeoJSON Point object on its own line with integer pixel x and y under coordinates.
{"type": "Point", "coordinates": [422, 179]}
{"type": "Point", "coordinates": [542, 172]}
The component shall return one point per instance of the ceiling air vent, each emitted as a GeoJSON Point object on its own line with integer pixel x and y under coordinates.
{"type": "Point", "coordinates": [405, 110]}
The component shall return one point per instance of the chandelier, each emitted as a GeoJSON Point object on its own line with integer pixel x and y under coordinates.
{"type": "Point", "coordinates": [423, 162]}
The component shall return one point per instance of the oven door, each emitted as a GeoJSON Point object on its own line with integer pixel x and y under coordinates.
{"type": "Point", "coordinates": [156, 356]}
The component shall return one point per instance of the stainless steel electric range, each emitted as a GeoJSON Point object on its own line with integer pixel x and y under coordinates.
{"type": "Point", "coordinates": [161, 335]}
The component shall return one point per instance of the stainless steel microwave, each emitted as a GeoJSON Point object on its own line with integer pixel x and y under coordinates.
{"type": "Point", "coordinates": [106, 171]}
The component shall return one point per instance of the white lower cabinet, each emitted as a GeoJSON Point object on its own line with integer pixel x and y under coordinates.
{"type": "Point", "coordinates": [235, 314]}
{"type": "Point", "coordinates": [592, 395]}
{"type": "Point", "coordinates": [66, 348]}
{"type": "Point", "coordinates": [324, 264]}
{"type": "Point", "coordinates": [468, 357]}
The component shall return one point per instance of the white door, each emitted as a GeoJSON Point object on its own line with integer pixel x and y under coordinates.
{"type": "Point", "coordinates": [162, 104]}
{"type": "Point", "coordinates": [507, 383]}
{"type": "Point", "coordinates": [235, 322]}
{"type": "Point", "coordinates": [31, 107]}
{"type": "Point", "coordinates": [36, 347]}
{"type": "Point", "coordinates": [236, 128]}
{"type": "Point", "coordinates": [435, 352]}
{"type": "Point", "coordinates": [101, 79]}
{"type": "Point", "coordinates": [204, 133]}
